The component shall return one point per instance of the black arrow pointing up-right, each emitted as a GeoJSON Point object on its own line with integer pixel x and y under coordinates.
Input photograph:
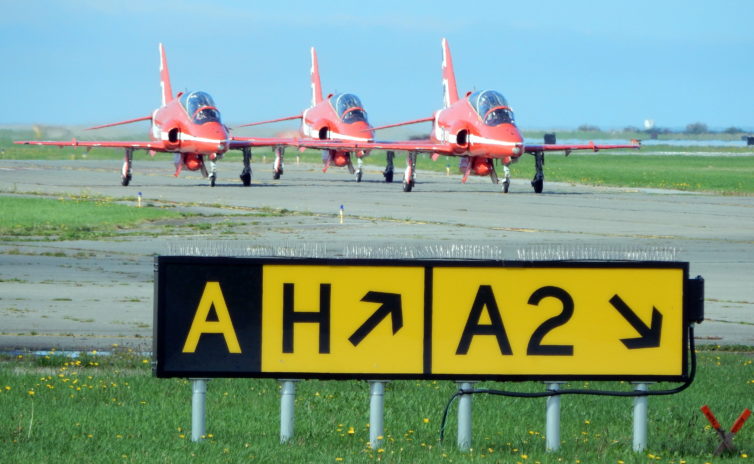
{"type": "Point", "coordinates": [391, 306]}
{"type": "Point", "coordinates": [650, 336]}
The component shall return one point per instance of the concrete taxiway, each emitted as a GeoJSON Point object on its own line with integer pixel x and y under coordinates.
{"type": "Point", "coordinates": [96, 294]}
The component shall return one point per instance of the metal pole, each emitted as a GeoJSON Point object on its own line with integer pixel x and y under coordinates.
{"type": "Point", "coordinates": [641, 405]}
{"type": "Point", "coordinates": [198, 409]}
{"type": "Point", "coordinates": [553, 418]}
{"type": "Point", "coordinates": [287, 399]}
{"type": "Point", "coordinates": [376, 413]}
{"type": "Point", "coordinates": [464, 417]}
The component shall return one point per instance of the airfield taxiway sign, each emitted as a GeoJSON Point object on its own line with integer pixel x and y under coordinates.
{"type": "Point", "coordinates": [314, 318]}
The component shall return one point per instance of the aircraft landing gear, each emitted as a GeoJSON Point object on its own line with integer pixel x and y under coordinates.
{"type": "Point", "coordinates": [539, 176]}
{"type": "Point", "coordinates": [388, 172]}
{"type": "Point", "coordinates": [493, 173]}
{"type": "Point", "coordinates": [212, 170]}
{"type": "Point", "coordinates": [246, 173]}
{"type": "Point", "coordinates": [507, 178]}
{"type": "Point", "coordinates": [359, 170]}
{"type": "Point", "coordinates": [277, 167]}
{"type": "Point", "coordinates": [351, 170]}
{"type": "Point", "coordinates": [409, 179]}
{"type": "Point", "coordinates": [125, 174]}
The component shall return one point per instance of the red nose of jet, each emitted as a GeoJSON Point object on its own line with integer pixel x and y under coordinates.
{"type": "Point", "coordinates": [211, 137]}
{"type": "Point", "coordinates": [502, 141]}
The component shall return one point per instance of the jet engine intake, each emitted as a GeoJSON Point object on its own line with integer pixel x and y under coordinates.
{"type": "Point", "coordinates": [461, 142]}
{"type": "Point", "coordinates": [174, 138]}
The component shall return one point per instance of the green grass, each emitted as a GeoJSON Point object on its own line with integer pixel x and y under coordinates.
{"type": "Point", "coordinates": [725, 175]}
{"type": "Point", "coordinates": [110, 409]}
{"type": "Point", "coordinates": [72, 219]}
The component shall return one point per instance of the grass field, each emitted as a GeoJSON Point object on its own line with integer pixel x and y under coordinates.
{"type": "Point", "coordinates": [72, 218]}
{"type": "Point", "coordinates": [110, 409]}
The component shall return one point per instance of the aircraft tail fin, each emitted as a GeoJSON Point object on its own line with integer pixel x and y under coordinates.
{"type": "Point", "coordinates": [449, 89]}
{"type": "Point", "coordinates": [316, 84]}
{"type": "Point", "coordinates": [167, 91]}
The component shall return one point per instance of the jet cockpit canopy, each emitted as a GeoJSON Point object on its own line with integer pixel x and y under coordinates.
{"type": "Point", "coordinates": [348, 108]}
{"type": "Point", "coordinates": [200, 107]}
{"type": "Point", "coordinates": [491, 107]}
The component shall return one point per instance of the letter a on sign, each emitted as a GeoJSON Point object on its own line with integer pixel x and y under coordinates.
{"type": "Point", "coordinates": [212, 296]}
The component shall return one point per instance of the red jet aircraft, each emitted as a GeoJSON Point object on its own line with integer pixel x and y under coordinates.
{"type": "Point", "coordinates": [340, 117]}
{"type": "Point", "coordinates": [188, 125]}
{"type": "Point", "coordinates": [479, 128]}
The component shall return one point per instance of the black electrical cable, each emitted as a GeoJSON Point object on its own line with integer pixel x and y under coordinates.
{"type": "Point", "coordinates": [635, 393]}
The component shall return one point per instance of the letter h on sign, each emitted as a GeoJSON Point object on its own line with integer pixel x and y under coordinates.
{"type": "Point", "coordinates": [321, 317]}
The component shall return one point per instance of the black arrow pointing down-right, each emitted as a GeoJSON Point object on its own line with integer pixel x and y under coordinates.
{"type": "Point", "coordinates": [650, 336]}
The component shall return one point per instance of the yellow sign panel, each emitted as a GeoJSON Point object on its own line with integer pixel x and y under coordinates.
{"type": "Point", "coordinates": [342, 319]}
{"type": "Point", "coordinates": [554, 321]}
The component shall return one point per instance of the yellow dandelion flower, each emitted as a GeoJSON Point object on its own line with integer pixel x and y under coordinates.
{"type": "Point", "coordinates": [351, 431]}
{"type": "Point", "coordinates": [31, 392]}
{"type": "Point", "coordinates": [426, 420]}
{"type": "Point", "coordinates": [180, 435]}
{"type": "Point", "coordinates": [7, 388]}
{"type": "Point", "coordinates": [338, 459]}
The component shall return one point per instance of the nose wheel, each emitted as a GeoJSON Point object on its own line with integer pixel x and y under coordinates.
{"type": "Point", "coordinates": [359, 169]}
{"type": "Point", "coordinates": [506, 178]}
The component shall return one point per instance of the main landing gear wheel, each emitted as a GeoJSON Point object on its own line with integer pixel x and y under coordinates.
{"type": "Point", "coordinates": [124, 180]}
{"type": "Point", "coordinates": [246, 179]}
{"type": "Point", "coordinates": [539, 175]}
{"type": "Point", "coordinates": [276, 175]}
{"type": "Point", "coordinates": [358, 175]}
{"type": "Point", "coordinates": [389, 167]}
{"type": "Point", "coordinates": [246, 173]}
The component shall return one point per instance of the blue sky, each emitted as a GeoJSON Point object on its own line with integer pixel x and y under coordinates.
{"type": "Point", "coordinates": [560, 64]}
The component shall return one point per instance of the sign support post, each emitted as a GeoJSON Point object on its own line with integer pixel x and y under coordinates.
{"type": "Point", "coordinates": [287, 416]}
{"type": "Point", "coordinates": [376, 413]}
{"type": "Point", "coordinates": [198, 409]}
{"type": "Point", "coordinates": [464, 416]}
{"type": "Point", "coordinates": [641, 406]}
{"type": "Point", "coordinates": [552, 428]}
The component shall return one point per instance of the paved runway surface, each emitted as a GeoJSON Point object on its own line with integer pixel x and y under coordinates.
{"type": "Point", "coordinates": [93, 294]}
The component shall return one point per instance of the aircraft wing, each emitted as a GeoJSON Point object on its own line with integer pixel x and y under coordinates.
{"type": "Point", "coordinates": [533, 148]}
{"type": "Point", "coordinates": [156, 146]}
{"type": "Point", "coordinates": [347, 145]}
{"type": "Point", "coordinates": [237, 143]}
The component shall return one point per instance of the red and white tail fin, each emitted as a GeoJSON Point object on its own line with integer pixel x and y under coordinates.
{"type": "Point", "coordinates": [316, 84]}
{"type": "Point", "coordinates": [167, 91]}
{"type": "Point", "coordinates": [449, 89]}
